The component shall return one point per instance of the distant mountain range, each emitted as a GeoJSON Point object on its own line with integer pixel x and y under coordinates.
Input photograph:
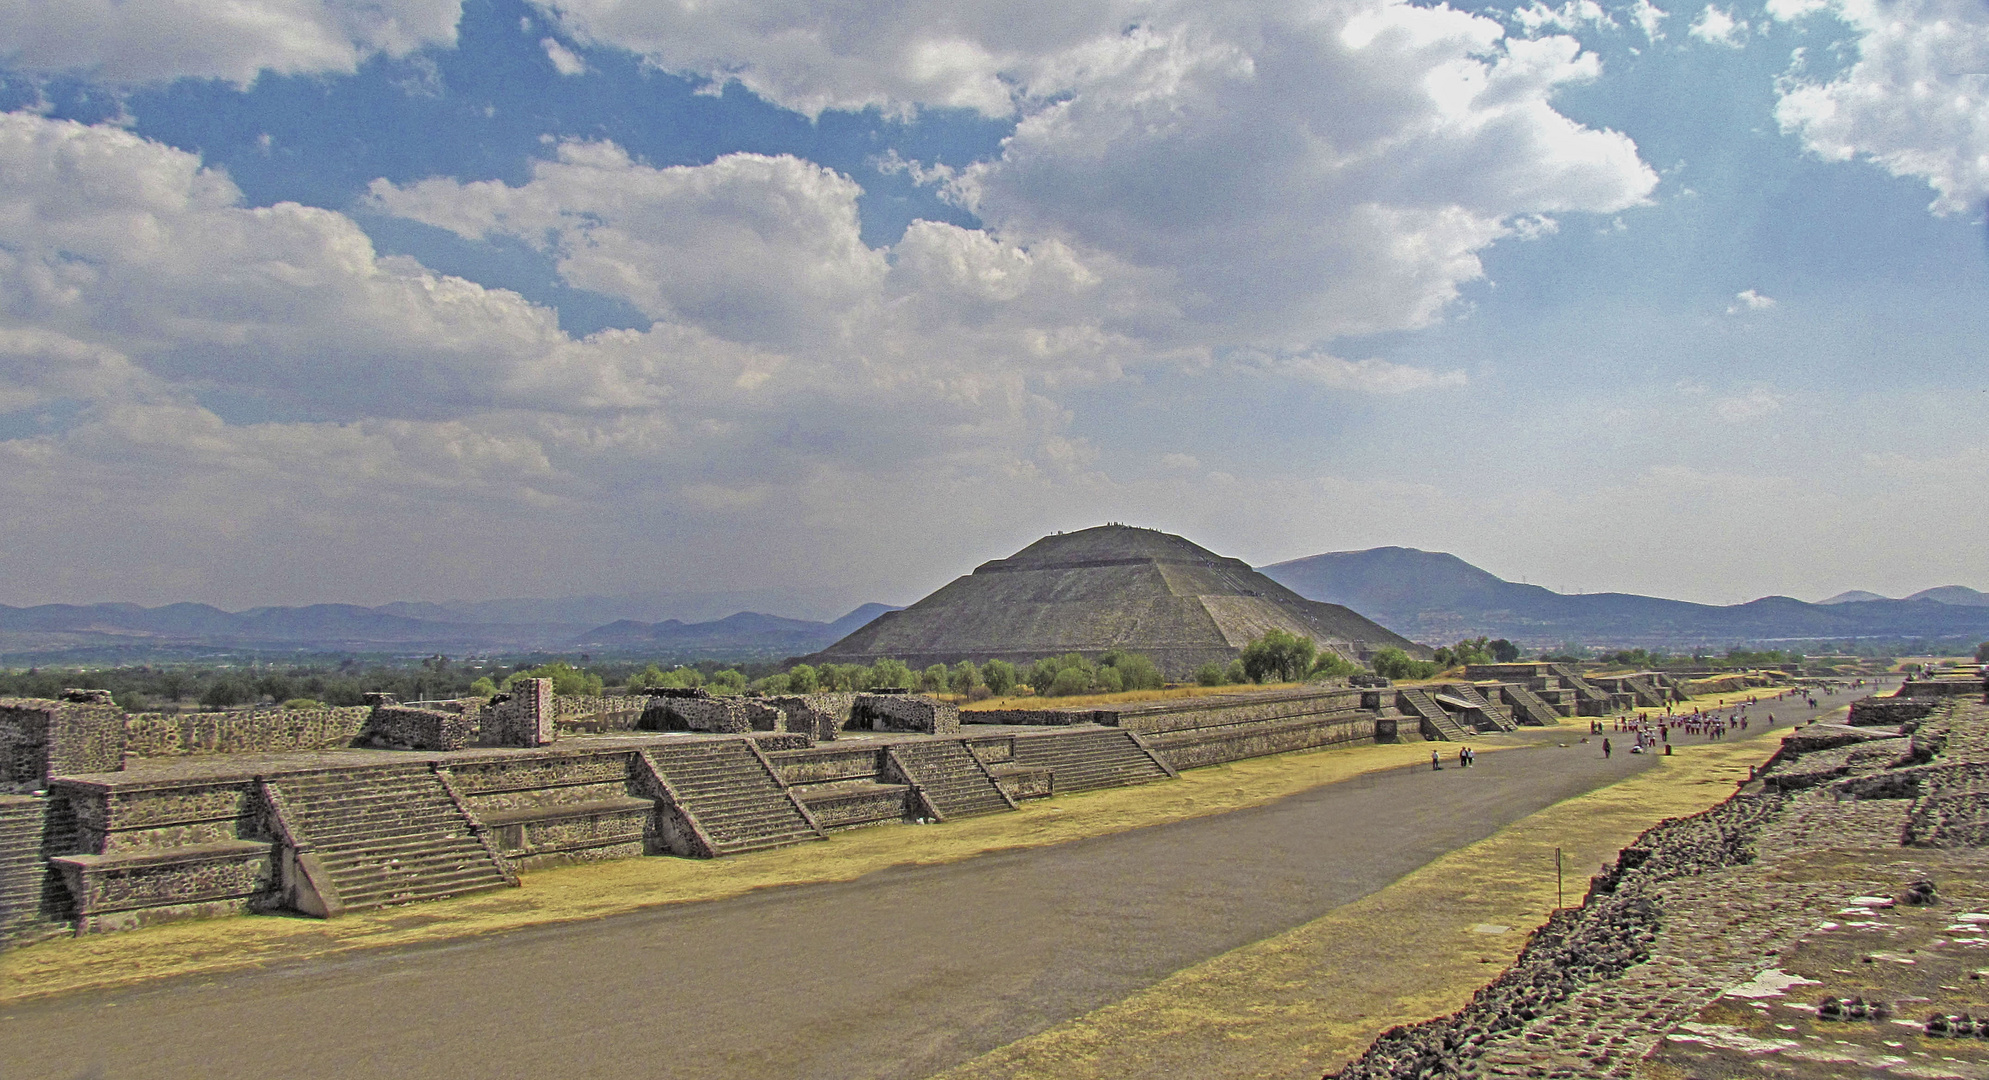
{"type": "Point", "coordinates": [745, 635]}
{"type": "Point", "coordinates": [1438, 598]}
{"type": "Point", "coordinates": [1956, 595]}
{"type": "Point", "coordinates": [128, 633]}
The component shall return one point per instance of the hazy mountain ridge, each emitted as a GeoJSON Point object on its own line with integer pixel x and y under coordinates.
{"type": "Point", "coordinates": [746, 634]}
{"type": "Point", "coordinates": [1438, 597]}
{"type": "Point", "coordinates": [131, 631]}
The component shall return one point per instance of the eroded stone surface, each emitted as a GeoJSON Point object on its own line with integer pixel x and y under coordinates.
{"type": "Point", "coordinates": [1782, 933]}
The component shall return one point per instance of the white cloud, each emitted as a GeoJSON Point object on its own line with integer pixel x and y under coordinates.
{"type": "Point", "coordinates": [564, 60]}
{"type": "Point", "coordinates": [1916, 102]}
{"type": "Point", "coordinates": [1180, 461]}
{"type": "Point", "coordinates": [1370, 376]}
{"type": "Point", "coordinates": [1757, 402]}
{"type": "Point", "coordinates": [1277, 173]}
{"type": "Point", "coordinates": [159, 40]}
{"type": "Point", "coordinates": [1650, 19]}
{"type": "Point", "coordinates": [1571, 17]}
{"type": "Point", "coordinates": [1716, 26]}
{"type": "Point", "coordinates": [1748, 300]}
{"type": "Point", "coordinates": [755, 248]}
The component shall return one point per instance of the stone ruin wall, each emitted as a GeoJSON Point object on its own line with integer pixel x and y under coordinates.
{"type": "Point", "coordinates": [820, 716]}
{"type": "Point", "coordinates": [716, 715]}
{"type": "Point", "coordinates": [905, 712]}
{"type": "Point", "coordinates": [259, 731]}
{"type": "Point", "coordinates": [40, 738]}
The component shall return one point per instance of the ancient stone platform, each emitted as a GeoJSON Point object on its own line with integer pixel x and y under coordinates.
{"type": "Point", "coordinates": [1829, 920]}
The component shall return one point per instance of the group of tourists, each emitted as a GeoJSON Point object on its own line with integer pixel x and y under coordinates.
{"type": "Point", "coordinates": [1466, 757]}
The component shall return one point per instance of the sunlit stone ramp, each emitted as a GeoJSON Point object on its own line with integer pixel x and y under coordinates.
{"type": "Point", "coordinates": [372, 836]}
{"type": "Point", "coordinates": [723, 797]}
{"type": "Point", "coordinates": [948, 779]}
{"type": "Point", "coordinates": [1082, 759]}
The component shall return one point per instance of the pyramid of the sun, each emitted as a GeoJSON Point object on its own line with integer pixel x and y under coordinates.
{"type": "Point", "coordinates": [1112, 587]}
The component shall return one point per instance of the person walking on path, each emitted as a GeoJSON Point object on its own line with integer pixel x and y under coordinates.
{"type": "Point", "coordinates": [1605, 749]}
{"type": "Point", "coordinates": [1436, 763]}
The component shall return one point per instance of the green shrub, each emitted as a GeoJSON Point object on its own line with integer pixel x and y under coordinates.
{"type": "Point", "coordinates": [1331, 665]}
{"type": "Point", "coordinates": [999, 675]}
{"type": "Point", "coordinates": [566, 679]}
{"type": "Point", "coordinates": [726, 682]}
{"type": "Point", "coordinates": [964, 677]}
{"type": "Point", "coordinates": [1277, 656]}
{"type": "Point", "coordinates": [1070, 681]}
{"type": "Point", "coordinates": [1396, 664]}
{"type": "Point", "coordinates": [887, 673]}
{"type": "Point", "coordinates": [801, 679]}
{"type": "Point", "coordinates": [1210, 674]}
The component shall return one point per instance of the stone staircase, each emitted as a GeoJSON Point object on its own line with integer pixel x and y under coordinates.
{"type": "Point", "coordinates": [1586, 692]}
{"type": "Point", "coordinates": [385, 836]}
{"type": "Point", "coordinates": [1528, 707]}
{"type": "Point", "coordinates": [951, 780]}
{"type": "Point", "coordinates": [1419, 704]}
{"type": "Point", "coordinates": [1647, 695]}
{"type": "Point", "coordinates": [1498, 716]}
{"type": "Point", "coordinates": [1081, 760]}
{"type": "Point", "coordinates": [732, 795]}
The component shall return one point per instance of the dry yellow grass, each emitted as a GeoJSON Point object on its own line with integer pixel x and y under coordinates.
{"type": "Point", "coordinates": [1310, 999]}
{"type": "Point", "coordinates": [1076, 701]}
{"type": "Point", "coordinates": [593, 891]}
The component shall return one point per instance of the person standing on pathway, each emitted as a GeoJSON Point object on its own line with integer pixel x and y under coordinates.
{"type": "Point", "coordinates": [1436, 763]}
{"type": "Point", "coordinates": [1605, 749]}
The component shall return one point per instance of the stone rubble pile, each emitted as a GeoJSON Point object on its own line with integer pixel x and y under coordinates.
{"type": "Point", "coordinates": [1859, 863]}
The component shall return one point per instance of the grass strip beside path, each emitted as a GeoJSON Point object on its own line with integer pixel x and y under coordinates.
{"type": "Point", "coordinates": [1312, 998]}
{"type": "Point", "coordinates": [591, 891]}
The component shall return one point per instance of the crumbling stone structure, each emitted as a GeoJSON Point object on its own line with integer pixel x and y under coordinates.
{"type": "Point", "coordinates": [1821, 922]}
{"type": "Point", "coordinates": [83, 732]}
{"type": "Point", "coordinates": [905, 712]}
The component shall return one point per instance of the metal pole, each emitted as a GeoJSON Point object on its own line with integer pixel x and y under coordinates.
{"type": "Point", "coordinates": [1559, 899]}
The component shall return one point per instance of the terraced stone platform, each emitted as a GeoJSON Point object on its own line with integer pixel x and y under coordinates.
{"type": "Point", "coordinates": [1830, 920]}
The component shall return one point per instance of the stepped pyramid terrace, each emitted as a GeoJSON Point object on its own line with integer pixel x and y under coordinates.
{"type": "Point", "coordinates": [1110, 587]}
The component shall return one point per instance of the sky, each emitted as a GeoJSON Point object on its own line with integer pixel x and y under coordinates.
{"type": "Point", "coordinates": [336, 301]}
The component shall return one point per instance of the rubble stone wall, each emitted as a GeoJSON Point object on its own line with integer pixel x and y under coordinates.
{"type": "Point", "coordinates": [905, 712]}
{"type": "Point", "coordinates": [819, 716]}
{"type": "Point", "coordinates": [158, 735]}
{"type": "Point", "coordinates": [42, 737]}
{"type": "Point", "coordinates": [1889, 711]}
{"type": "Point", "coordinates": [408, 728]}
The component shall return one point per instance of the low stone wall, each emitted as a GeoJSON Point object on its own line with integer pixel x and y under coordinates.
{"type": "Point", "coordinates": [575, 714]}
{"type": "Point", "coordinates": [1611, 932]}
{"type": "Point", "coordinates": [1032, 717]}
{"type": "Point", "coordinates": [819, 716]}
{"type": "Point", "coordinates": [261, 731]}
{"type": "Point", "coordinates": [905, 712]}
{"type": "Point", "coordinates": [43, 737]}
{"type": "Point", "coordinates": [1213, 746]}
{"type": "Point", "coordinates": [404, 727]}
{"type": "Point", "coordinates": [824, 765]}
{"type": "Point", "coordinates": [521, 716]}
{"type": "Point", "coordinates": [716, 715]}
{"type": "Point", "coordinates": [1940, 688]}
{"type": "Point", "coordinates": [1146, 718]}
{"type": "Point", "coordinates": [1890, 711]}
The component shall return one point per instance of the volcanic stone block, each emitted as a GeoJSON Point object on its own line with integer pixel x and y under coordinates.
{"type": "Point", "coordinates": [905, 712]}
